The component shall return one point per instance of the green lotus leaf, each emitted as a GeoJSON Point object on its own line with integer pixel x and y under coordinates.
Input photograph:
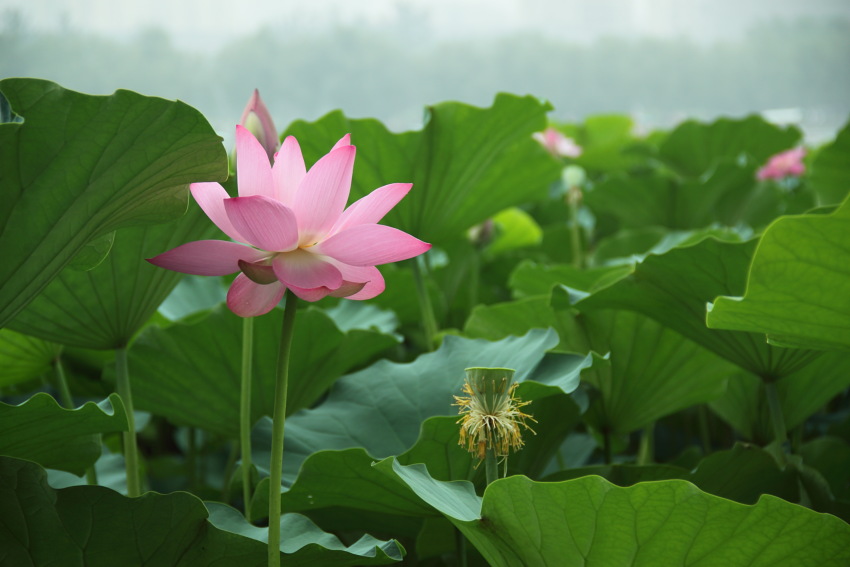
{"type": "Point", "coordinates": [801, 394]}
{"type": "Point", "coordinates": [591, 521]}
{"type": "Point", "coordinates": [388, 401]}
{"type": "Point", "coordinates": [466, 164]}
{"type": "Point", "coordinates": [190, 372]}
{"type": "Point", "coordinates": [798, 290]}
{"type": "Point", "coordinates": [95, 526]}
{"type": "Point", "coordinates": [79, 166]}
{"type": "Point", "coordinates": [24, 358]}
{"type": "Point", "coordinates": [103, 308]}
{"type": "Point", "coordinates": [693, 148]}
{"type": "Point", "coordinates": [830, 171]}
{"type": "Point", "coordinates": [673, 287]}
{"type": "Point", "coordinates": [40, 430]}
{"type": "Point", "coordinates": [641, 378]}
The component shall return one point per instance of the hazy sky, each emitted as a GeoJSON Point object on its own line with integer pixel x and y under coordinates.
{"type": "Point", "coordinates": [209, 24]}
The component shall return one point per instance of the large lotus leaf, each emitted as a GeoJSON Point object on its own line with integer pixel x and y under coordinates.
{"type": "Point", "coordinates": [830, 171]}
{"type": "Point", "coordinates": [693, 148]}
{"type": "Point", "coordinates": [798, 291]}
{"type": "Point", "coordinates": [190, 372]}
{"type": "Point", "coordinates": [651, 370]}
{"type": "Point", "coordinates": [605, 140]}
{"type": "Point", "coordinates": [80, 166]}
{"type": "Point", "coordinates": [23, 358]}
{"type": "Point", "coordinates": [530, 278]}
{"type": "Point", "coordinates": [104, 307]}
{"type": "Point", "coordinates": [346, 478]}
{"type": "Point", "coordinates": [674, 287]}
{"type": "Point", "coordinates": [304, 543]}
{"type": "Point", "coordinates": [801, 394]}
{"type": "Point", "coordinates": [95, 526]}
{"type": "Point", "coordinates": [496, 321]}
{"type": "Point", "coordinates": [831, 457]}
{"type": "Point", "coordinates": [650, 199]}
{"type": "Point", "coordinates": [590, 521]}
{"type": "Point", "coordinates": [380, 408]}
{"type": "Point", "coordinates": [40, 430]}
{"type": "Point", "coordinates": [742, 473]}
{"type": "Point", "coordinates": [466, 164]}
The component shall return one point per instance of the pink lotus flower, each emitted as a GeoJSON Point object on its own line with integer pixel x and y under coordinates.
{"type": "Point", "coordinates": [557, 143]}
{"type": "Point", "coordinates": [257, 119]}
{"type": "Point", "coordinates": [784, 164]}
{"type": "Point", "coordinates": [299, 234]}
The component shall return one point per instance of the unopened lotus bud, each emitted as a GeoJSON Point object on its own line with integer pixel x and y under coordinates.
{"type": "Point", "coordinates": [257, 119]}
{"type": "Point", "coordinates": [573, 176]}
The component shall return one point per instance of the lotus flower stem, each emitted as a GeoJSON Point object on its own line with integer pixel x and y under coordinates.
{"type": "Point", "coordinates": [245, 410]}
{"type": "Point", "coordinates": [647, 445]}
{"type": "Point", "coordinates": [491, 465]}
{"type": "Point", "coordinates": [276, 467]}
{"type": "Point", "coordinates": [780, 434]}
{"type": "Point", "coordinates": [574, 200]}
{"type": "Point", "coordinates": [62, 383]}
{"type": "Point", "coordinates": [131, 452]}
{"type": "Point", "coordinates": [429, 322]}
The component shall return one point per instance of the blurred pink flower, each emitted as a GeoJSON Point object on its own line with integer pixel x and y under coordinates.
{"type": "Point", "coordinates": [257, 119]}
{"type": "Point", "coordinates": [784, 164]}
{"type": "Point", "coordinates": [299, 234]}
{"type": "Point", "coordinates": [557, 143]}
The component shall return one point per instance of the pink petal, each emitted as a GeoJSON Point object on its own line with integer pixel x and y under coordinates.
{"type": "Point", "coordinates": [260, 273]}
{"type": "Point", "coordinates": [249, 299]}
{"type": "Point", "coordinates": [322, 195]}
{"type": "Point", "coordinates": [303, 269]}
{"type": "Point", "coordinates": [253, 170]}
{"type": "Point", "coordinates": [374, 281]}
{"type": "Point", "coordinates": [211, 196]}
{"type": "Point", "coordinates": [207, 257]}
{"type": "Point", "coordinates": [266, 223]}
{"type": "Point", "coordinates": [371, 245]}
{"type": "Point", "coordinates": [347, 289]}
{"type": "Point", "coordinates": [344, 141]}
{"type": "Point", "coordinates": [372, 208]}
{"type": "Point", "coordinates": [311, 295]}
{"type": "Point", "coordinates": [288, 171]}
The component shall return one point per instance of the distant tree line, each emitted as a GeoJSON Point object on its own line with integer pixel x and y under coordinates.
{"type": "Point", "coordinates": [803, 64]}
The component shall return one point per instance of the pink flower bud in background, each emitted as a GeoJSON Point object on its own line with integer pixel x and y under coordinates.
{"type": "Point", "coordinates": [257, 120]}
{"type": "Point", "coordinates": [558, 144]}
{"type": "Point", "coordinates": [784, 164]}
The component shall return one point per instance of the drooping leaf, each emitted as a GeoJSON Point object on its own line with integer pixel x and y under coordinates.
{"type": "Point", "coordinates": [40, 430]}
{"type": "Point", "coordinates": [23, 358]}
{"type": "Point", "coordinates": [95, 526]}
{"type": "Point", "coordinates": [329, 481]}
{"type": "Point", "coordinates": [798, 290]}
{"type": "Point", "coordinates": [388, 401]}
{"type": "Point", "coordinates": [673, 288]}
{"type": "Point", "coordinates": [103, 308]}
{"type": "Point", "coordinates": [200, 360]}
{"type": "Point", "coordinates": [466, 164]}
{"type": "Point", "coordinates": [304, 543]}
{"type": "Point", "coordinates": [589, 520]}
{"type": "Point", "coordinates": [80, 166]}
{"type": "Point", "coordinates": [641, 378]}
